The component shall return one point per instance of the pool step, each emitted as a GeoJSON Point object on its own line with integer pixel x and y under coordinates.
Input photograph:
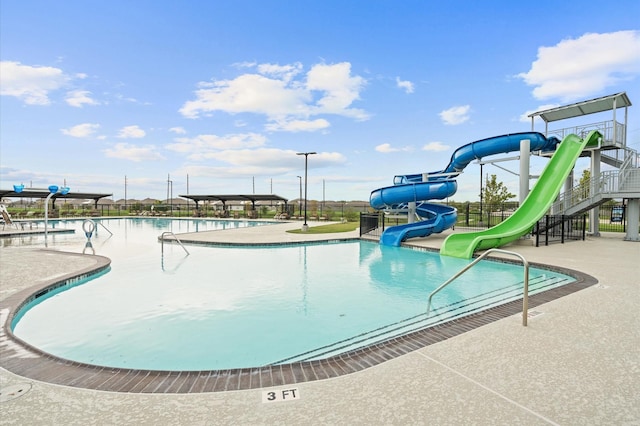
{"type": "Point", "coordinates": [438, 315]}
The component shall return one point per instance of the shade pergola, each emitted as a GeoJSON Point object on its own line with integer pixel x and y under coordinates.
{"type": "Point", "coordinates": [253, 198]}
{"type": "Point", "coordinates": [44, 193]}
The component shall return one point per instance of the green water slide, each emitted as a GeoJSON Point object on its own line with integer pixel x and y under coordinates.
{"type": "Point", "coordinates": [532, 209]}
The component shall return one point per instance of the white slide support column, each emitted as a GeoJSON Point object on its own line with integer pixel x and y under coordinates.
{"type": "Point", "coordinates": [633, 219]}
{"type": "Point", "coordinates": [594, 214]}
{"type": "Point", "coordinates": [525, 155]}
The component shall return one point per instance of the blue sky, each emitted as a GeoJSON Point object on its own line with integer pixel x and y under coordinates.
{"type": "Point", "coordinates": [226, 92]}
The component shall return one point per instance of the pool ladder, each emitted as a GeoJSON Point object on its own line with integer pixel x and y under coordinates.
{"type": "Point", "coordinates": [525, 296]}
{"type": "Point", "coordinates": [175, 238]}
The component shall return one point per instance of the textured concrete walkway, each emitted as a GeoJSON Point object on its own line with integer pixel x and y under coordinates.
{"type": "Point", "coordinates": [577, 362]}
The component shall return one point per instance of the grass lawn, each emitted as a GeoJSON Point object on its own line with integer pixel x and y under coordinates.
{"type": "Point", "coordinates": [329, 229]}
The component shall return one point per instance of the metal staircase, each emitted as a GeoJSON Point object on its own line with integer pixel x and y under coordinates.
{"type": "Point", "coordinates": [622, 183]}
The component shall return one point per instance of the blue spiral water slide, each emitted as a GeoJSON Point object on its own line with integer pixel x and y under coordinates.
{"type": "Point", "coordinates": [438, 185]}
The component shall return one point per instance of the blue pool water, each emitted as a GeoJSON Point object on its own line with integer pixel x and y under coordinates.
{"type": "Point", "coordinates": [223, 307]}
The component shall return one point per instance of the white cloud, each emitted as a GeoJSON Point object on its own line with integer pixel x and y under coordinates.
{"type": "Point", "coordinates": [524, 118]}
{"type": "Point", "coordinates": [78, 98]}
{"type": "Point", "coordinates": [247, 93]}
{"type": "Point", "coordinates": [178, 130]}
{"type": "Point", "coordinates": [31, 84]}
{"type": "Point", "coordinates": [131, 132]}
{"type": "Point", "coordinates": [455, 115]}
{"type": "Point", "coordinates": [125, 151]}
{"type": "Point", "coordinates": [339, 88]}
{"type": "Point", "coordinates": [202, 146]}
{"type": "Point", "coordinates": [254, 157]}
{"type": "Point", "coordinates": [285, 72]}
{"type": "Point", "coordinates": [260, 162]}
{"type": "Point", "coordinates": [298, 125]}
{"type": "Point", "coordinates": [407, 86]}
{"type": "Point", "coordinates": [576, 68]}
{"type": "Point", "coordinates": [81, 130]}
{"type": "Point", "coordinates": [435, 147]}
{"type": "Point", "coordinates": [387, 148]}
{"type": "Point", "coordinates": [282, 93]}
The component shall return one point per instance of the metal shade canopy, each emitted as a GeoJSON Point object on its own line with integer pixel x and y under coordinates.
{"type": "Point", "coordinates": [605, 103]}
{"type": "Point", "coordinates": [235, 197]}
{"type": "Point", "coordinates": [44, 193]}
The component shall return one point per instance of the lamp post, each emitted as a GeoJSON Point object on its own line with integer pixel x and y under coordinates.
{"type": "Point", "coordinates": [300, 198]}
{"type": "Point", "coordinates": [305, 227]}
{"type": "Point", "coordinates": [53, 190]}
{"type": "Point", "coordinates": [480, 192]}
{"type": "Point", "coordinates": [170, 194]}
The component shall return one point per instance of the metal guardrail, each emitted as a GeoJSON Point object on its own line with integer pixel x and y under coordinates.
{"type": "Point", "coordinates": [608, 184]}
{"type": "Point", "coordinates": [606, 128]}
{"type": "Point", "coordinates": [525, 296]}
{"type": "Point", "coordinates": [175, 238]}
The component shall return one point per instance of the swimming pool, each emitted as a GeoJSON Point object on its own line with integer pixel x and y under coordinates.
{"type": "Point", "coordinates": [223, 308]}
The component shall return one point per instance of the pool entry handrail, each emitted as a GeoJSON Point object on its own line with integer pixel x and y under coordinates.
{"type": "Point", "coordinates": [175, 238]}
{"type": "Point", "coordinates": [525, 264]}
{"type": "Point", "coordinates": [89, 226]}
{"type": "Point", "coordinates": [95, 226]}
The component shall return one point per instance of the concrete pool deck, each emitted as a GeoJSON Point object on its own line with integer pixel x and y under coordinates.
{"type": "Point", "coordinates": [577, 362]}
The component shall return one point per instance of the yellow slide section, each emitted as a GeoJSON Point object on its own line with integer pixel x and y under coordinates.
{"type": "Point", "coordinates": [532, 209]}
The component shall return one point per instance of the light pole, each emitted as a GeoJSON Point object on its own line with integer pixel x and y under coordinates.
{"type": "Point", "coordinates": [305, 227]}
{"type": "Point", "coordinates": [480, 192]}
{"type": "Point", "coordinates": [300, 198]}
{"type": "Point", "coordinates": [170, 194]}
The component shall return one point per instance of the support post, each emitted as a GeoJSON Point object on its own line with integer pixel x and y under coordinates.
{"type": "Point", "coordinates": [594, 214]}
{"type": "Point", "coordinates": [305, 227]}
{"type": "Point", "coordinates": [411, 215]}
{"type": "Point", "coordinates": [525, 155]}
{"type": "Point", "coordinates": [633, 217]}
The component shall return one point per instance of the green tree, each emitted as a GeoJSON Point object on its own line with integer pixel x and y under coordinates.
{"type": "Point", "coordinates": [495, 193]}
{"type": "Point", "coordinates": [313, 207]}
{"type": "Point", "coordinates": [584, 184]}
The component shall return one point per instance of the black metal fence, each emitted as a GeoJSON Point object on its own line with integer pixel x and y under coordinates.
{"type": "Point", "coordinates": [558, 229]}
{"type": "Point", "coordinates": [612, 218]}
{"type": "Point", "coordinates": [330, 211]}
{"type": "Point", "coordinates": [371, 224]}
{"type": "Point", "coordinates": [477, 217]}
{"type": "Point", "coordinates": [550, 229]}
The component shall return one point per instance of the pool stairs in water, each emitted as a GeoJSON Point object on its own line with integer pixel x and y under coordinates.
{"type": "Point", "coordinates": [439, 314]}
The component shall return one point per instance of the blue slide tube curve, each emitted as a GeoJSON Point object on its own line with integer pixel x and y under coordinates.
{"type": "Point", "coordinates": [439, 185]}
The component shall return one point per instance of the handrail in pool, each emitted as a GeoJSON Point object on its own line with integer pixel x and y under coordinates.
{"type": "Point", "coordinates": [95, 227]}
{"type": "Point", "coordinates": [525, 296]}
{"type": "Point", "coordinates": [175, 237]}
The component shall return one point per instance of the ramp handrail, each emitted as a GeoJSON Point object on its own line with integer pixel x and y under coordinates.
{"type": "Point", "coordinates": [175, 237]}
{"type": "Point", "coordinates": [525, 296]}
